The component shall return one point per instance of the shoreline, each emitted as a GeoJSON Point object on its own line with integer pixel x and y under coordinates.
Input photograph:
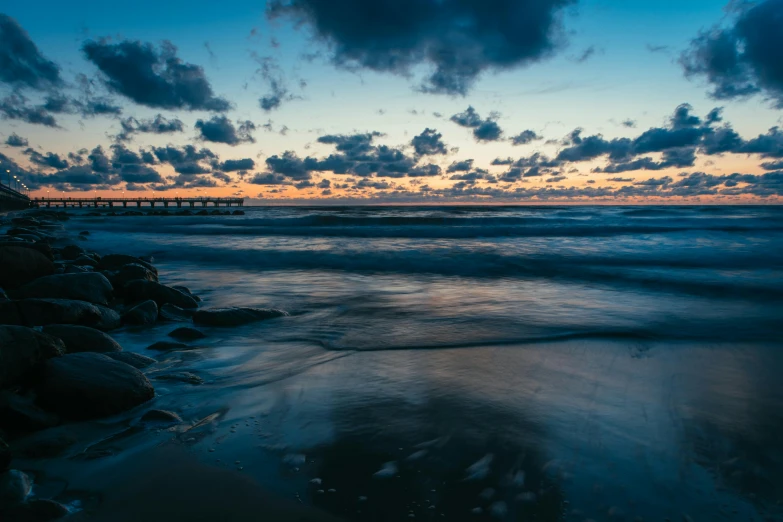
{"type": "Point", "coordinates": [59, 304]}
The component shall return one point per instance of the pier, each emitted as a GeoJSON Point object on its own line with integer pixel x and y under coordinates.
{"type": "Point", "coordinates": [11, 199]}
{"type": "Point", "coordinates": [136, 202]}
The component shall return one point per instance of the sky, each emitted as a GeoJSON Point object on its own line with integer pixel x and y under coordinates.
{"type": "Point", "coordinates": [396, 101]}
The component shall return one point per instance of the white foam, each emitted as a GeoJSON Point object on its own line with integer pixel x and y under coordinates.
{"type": "Point", "coordinates": [388, 470]}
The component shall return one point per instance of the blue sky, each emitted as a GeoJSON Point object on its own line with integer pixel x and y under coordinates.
{"type": "Point", "coordinates": [617, 61]}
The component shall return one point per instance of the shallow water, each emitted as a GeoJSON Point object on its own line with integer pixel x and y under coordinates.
{"type": "Point", "coordinates": [571, 363]}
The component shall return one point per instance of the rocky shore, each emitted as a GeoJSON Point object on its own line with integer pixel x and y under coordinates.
{"type": "Point", "coordinates": [59, 364]}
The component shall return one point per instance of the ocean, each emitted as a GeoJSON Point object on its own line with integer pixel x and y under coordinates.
{"type": "Point", "coordinates": [468, 363]}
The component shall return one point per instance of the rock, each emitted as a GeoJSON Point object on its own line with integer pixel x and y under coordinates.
{"type": "Point", "coordinates": [72, 251]}
{"type": "Point", "coordinates": [90, 385]}
{"type": "Point", "coordinates": [3, 295]}
{"type": "Point", "coordinates": [161, 294]}
{"type": "Point", "coordinates": [126, 273]}
{"type": "Point", "coordinates": [187, 334]}
{"type": "Point", "coordinates": [15, 486]}
{"type": "Point", "coordinates": [73, 269]}
{"type": "Point", "coordinates": [202, 212]}
{"type": "Point", "coordinates": [22, 351]}
{"type": "Point", "coordinates": [162, 346]}
{"type": "Point", "coordinates": [145, 313]}
{"type": "Point", "coordinates": [39, 312]}
{"type": "Point", "coordinates": [82, 338]}
{"type": "Point", "coordinates": [91, 287]}
{"type": "Point", "coordinates": [134, 359]}
{"type": "Point", "coordinates": [5, 456]}
{"type": "Point", "coordinates": [85, 261]}
{"type": "Point", "coordinates": [169, 312]}
{"type": "Point", "coordinates": [161, 416]}
{"type": "Point", "coordinates": [117, 261]}
{"type": "Point", "coordinates": [20, 265]}
{"type": "Point", "coordinates": [25, 221]}
{"type": "Point", "coordinates": [234, 316]}
{"type": "Point", "coordinates": [45, 444]}
{"type": "Point", "coordinates": [186, 377]}
{"type": "Point", "coordinates": [238, 212]}
{"type": "Point", "coordinates": [84, 233]}
{"type": "Point", "coordinates": [42, 510]}
{"type": "Point", "coordinates": [18, 412]}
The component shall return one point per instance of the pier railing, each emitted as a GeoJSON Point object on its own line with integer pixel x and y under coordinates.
{"type": "Point", "coordinates": [137, 202]}
{"type": "Point", "coordinates": [10, 199]}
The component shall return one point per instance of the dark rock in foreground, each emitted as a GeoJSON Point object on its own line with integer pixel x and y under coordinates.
{"type": "Point", "coordinates": [145, 313]}
{"type": "Point", "coordinates": [161, 294]}
{"type": "Point", "coordinates": [82, 338]}
{"type": "Point", "coordinates": [41, 510]}
{"type": "Point", "coordinates": [169, 312]}
{"type": "Point", "coordinates": [186, 333]}
{"type": "Point", "coordinates": [234, 316]}
{"type": "Point", "coordinates": [162, 346]}
{"type": "Point", "coordinates": [23, 350]}
{"type": "Point", "coordinates": [130, 272]}
{"type": "Point", "coordinates": [72, 251]}
{"type": "Point", "coordinates": [87, 286]}
{"type": "Point", "coordinates": [134, 359]}
{"type": "Point", "coordinates": [117, 261]}
{"type": "Point", "coordinates": [19, 412]}
{"type": "Point", "coordinates": [162, 416]}
{"type": "Point", "coordinates": [20, 265]}
{"type": "Point", "coordinates": [39, 312]}
{"type": "Point", "coordinates": [90, 385]}
{"type": "Point", "coordinates": [5, 456]}
{"type": "Point", "coordinates": [15, 486]}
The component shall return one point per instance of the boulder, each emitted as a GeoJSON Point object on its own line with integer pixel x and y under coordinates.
{"type": "Point", "coordinates": [5, 456]}
{"type": "Point", "coordinates": [39, 312]}
{"type": "Point", "coordinates": [22, 351]}
{"type": "Point", "coordinates": [117, 261]}
{"type": "Point", "coordinates": [186, 290]}
{"type": "Point", "coordinates": [234, 316]}
{"type": "Point", "coordinates": [82, 338]}
{"type": "Point", "coordinates": [73, 269]}
{"type": "Point", "coordinates": [162, 346]}
{"type": "Point", "coordinates": [90, 385]}
{"type": "Point", "coordinates": [145, 313]}
{"type": "Point", "coordinates": [169, 312]}
{"type": "Point", "coordinates": [72, 251]}
{"type": "Point", "coordinates": [15, 486]}
{"type": "Point", "coordinates": [91, 287]}
{"type": "Point", "coordinates": [119, 278]}
{"type": "Point", "coordinates": [20, 265]}
{"type": "Point", "coordinates": [42, 510]}
{"type": "Point", "coordinates": [161, 416]}
{"type": "Point", "coordinates": [25, 221]}
{"type": "Point", "coordinates": [84, 260]}
{"type": "Point", "coordinates": [18, 412]}
{"type": "Point", "coordinates": [161, 294]}
{"type": "Point", "coordinates": [84, 233]}
{"type": "Point", "coordinates": [238, 213]}
{"type": "Point", "coordinates": [186, 334]}
{"type": "Point", "coordinates": [134, 359]}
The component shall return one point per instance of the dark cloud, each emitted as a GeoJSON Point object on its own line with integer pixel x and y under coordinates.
{"type": "Point", "coordinates": [14, 140]}
{"type": "Point", "coordinates": [21, 63]}
{"type": "Point", "coordinates": [429, 143]}
{"type": "Point", "coordinates": [219, 129]}
{"type": "Point", "coordinates": [743, 58]}
{"type": "Point", "coordinates": [459, 39]}
{"type": "Point", "coordinates": [157, 125]}
{"type": "Point", "coordinates": [483, 129]}
{"type": "Point", "coordinates": [772, 165]}
{"type": "Point", "coordinates": [50, 159]}
{"type": "Point", "coordinates": [153, 77]}
{"type": "Point", "coordinates": [140, 174]}
{"type": "Point", "coordinates": [269, 179]}
{"type": "Point", "coordinates": [235, 165]}
{"type": "Point", "coordinates": [586, 54]}
{"type": "Point", "coordinates": [15, 107]}
{"type": "Point", "coordinates": [460, 166]}
{"type": "Point", "coordinates": [629, 123]}
{"type": "Point", "coordinates": [272, 75]}
{"type": "Point", "coordinates": [525, 137]}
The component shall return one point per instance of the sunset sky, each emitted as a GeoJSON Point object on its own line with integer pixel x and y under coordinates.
{"type": "Point", "coordinates": [396, 100]}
